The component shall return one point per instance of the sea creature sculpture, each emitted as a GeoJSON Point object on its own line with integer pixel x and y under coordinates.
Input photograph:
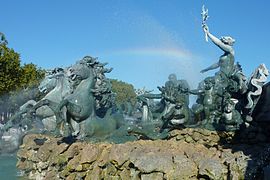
{"type": "Point", "coordinates": [258, 78]}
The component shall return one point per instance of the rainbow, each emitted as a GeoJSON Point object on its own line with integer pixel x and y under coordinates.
{"type": "Point", "coordinates": [175, 53]}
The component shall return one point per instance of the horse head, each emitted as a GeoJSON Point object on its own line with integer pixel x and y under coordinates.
{"type": "Point", "coordinates": [50, 80]}
{"type": "Point", "coordinates": [47, 84]}
{"type": "Point", "coordinates": [83, 69]}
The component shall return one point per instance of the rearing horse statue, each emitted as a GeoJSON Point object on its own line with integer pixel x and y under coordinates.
{"type": "Point", "coordinates": [47, 86]}
{"type": "Point", "coordinates": [61, 89]}
{"type": "Point", "coordinates": [80, 105]}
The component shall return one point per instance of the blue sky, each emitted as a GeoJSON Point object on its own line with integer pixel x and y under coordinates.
{"type": "Point", "coordinates": [143, 40]}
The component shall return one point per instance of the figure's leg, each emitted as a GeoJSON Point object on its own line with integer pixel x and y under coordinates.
{"type": "Point", "coordinates": [75, 127]}
{"type": "Point", "coordinates": [197, 110]}
{"type": "Point", "coordinates": [59, 117]}
{"type": "Point", "coordinates": [83, 133]}
{"type": "Point", "coordinates": [52, 105]}
{"type": "Point", "coordinates": [58, 111]}
{"type": "Point", "coordinates": [87, 128]}
{"type": "Point", "coordinates": [206, 115]}
{"type": "Point", "coordinates": [41, 103]}
{"type": "Point", "coordinates": [48, 121]}
{"type": "Point", "coordinates": [28, 104]}
{"type": "Point", "coordinates": [166, 118]}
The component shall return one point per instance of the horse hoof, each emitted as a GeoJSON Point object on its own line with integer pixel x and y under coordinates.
{"type": "Point", "coordinates": [67, 140]}
{"type": "Point", "coordinates": [81, 137]}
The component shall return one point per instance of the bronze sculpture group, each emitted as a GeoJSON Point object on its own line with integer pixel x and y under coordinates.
{"type": "Point", "coordinates": [79, 100]}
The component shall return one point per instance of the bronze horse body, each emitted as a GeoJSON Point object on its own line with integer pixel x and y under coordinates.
{"type": "Point", "coordinates": [58, 86]}
{"type": "Point", "coordinates": [80, 105]}
{"type": "Point", "coordinates": [61, 89]}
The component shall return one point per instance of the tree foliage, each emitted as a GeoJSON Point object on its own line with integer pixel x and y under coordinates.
{"type": "Point", "coordinates": [14, 76]}
{"type": "Point", "coordinates": [10, 69]}
{"type": "Point", "coordinates": [31, 75]}
{"type": "Point", "coordinates": [124, 92]}
{"type": "Point", "coordinates": [16, 81]}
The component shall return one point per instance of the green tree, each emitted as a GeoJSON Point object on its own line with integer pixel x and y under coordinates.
{"type": "Point", "coordinates": [13, 76]}
{"type": "Point", "coordinates": [30, 75]}
{"type": "Point", "coordinates": [124, 92]}
{"type": "Point", "coordinates": [10, 69]}
{"type": "Point", "coordinates": [17, 83]}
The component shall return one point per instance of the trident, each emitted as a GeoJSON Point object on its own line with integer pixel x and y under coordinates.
{"type": "Point", "coordinates": [204, 18]}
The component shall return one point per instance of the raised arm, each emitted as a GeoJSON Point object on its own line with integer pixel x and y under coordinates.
{"type": "Point", "coordinates": [224, 47]}
{"type": "Point", "coordinates": [213, 66]}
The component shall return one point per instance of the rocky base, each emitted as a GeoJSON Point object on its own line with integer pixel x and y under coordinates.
{"type": "Point", "coordinates": [189, 154]}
